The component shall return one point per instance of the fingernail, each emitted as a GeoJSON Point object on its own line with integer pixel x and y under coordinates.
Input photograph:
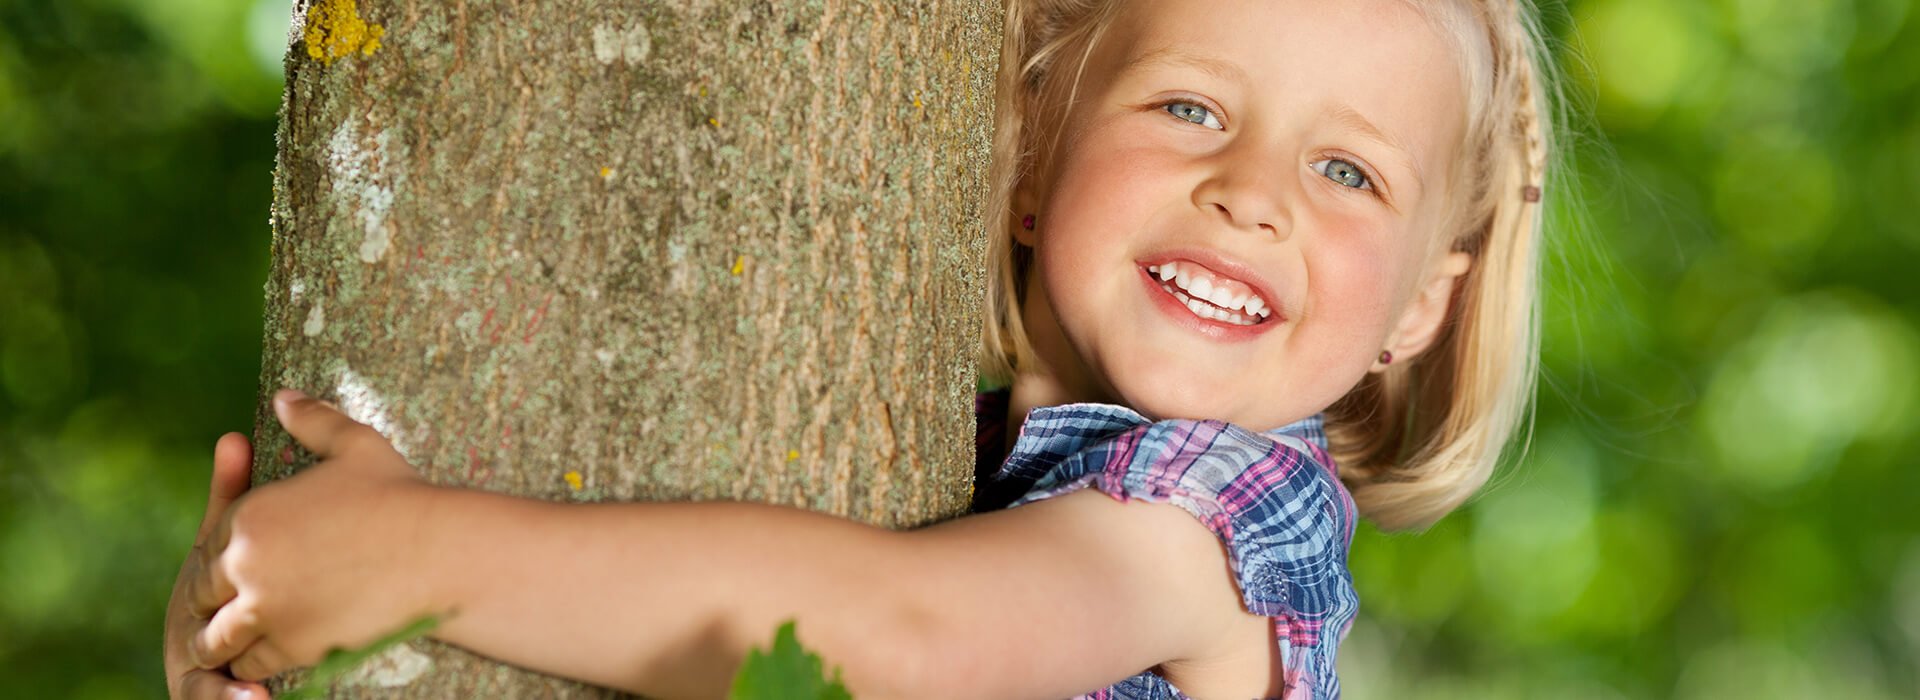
{"type": "Point", "coordinates": [239, 693]}
{"type": "Point", "coordinates": [287, 396]}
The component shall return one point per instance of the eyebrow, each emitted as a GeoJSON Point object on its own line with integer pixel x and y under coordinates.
{"type": "Point", "coordinates": [1352, 119]}
{"type": "Point", "coordinates": [1170, 56]}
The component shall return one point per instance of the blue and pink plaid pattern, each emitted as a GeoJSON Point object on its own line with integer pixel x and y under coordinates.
{"type": "Point", "coordinates": [1272, 497]}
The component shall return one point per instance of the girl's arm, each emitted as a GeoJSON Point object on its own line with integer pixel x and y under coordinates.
{"type": "Point", "coordinates": [1045, 600]}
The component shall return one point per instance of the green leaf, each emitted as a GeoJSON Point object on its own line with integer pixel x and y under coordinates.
{"type": "Point", "coordinates": [789, 672]}
{"type": "Point", "coordinates": [339, 662]}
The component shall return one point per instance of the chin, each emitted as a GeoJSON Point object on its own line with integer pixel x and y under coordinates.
{"type": "Point", "coordinates": [1164, 397]}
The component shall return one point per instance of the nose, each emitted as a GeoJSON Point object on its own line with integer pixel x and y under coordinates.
{"type": "Point", "coordinates": [1246, 188]}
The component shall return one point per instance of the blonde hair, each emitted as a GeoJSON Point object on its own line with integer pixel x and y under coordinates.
{"type": "Point", "coordinates": [1415, 441]}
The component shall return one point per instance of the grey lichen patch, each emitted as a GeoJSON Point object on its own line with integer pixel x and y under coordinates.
{"type": "Point", "coordinates": [398, 666]}
{"type": "Point", "coordinates": [364, 183]}
{"type": "Point", "coordinates": [468, 322]}
{"type": "Point", "coordinates": [361, 402]}
{"type": "Point", "coordinates": [374, 246]}
{"type": "Point", "coordinates": [629, 44]}
{"type": "Point", "coordinates": [316, 320]}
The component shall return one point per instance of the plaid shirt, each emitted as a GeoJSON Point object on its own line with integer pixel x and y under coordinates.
{"type": "Point", "coordinates": [1273, 498]}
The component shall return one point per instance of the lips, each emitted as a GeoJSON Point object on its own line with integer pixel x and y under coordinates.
{"type": "Point", "coordinates": [1204, 318]}
{"type": "Point", "coordinates": [1219, 283]}
{"type": "Point", "coordinates": [1210, 294]}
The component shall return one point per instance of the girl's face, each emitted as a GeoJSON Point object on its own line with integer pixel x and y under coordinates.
{"type": "Point", "coordinates": [1285, 164]}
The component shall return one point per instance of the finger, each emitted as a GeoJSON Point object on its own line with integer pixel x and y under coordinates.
{"type": "Point", "coordinates": [230, 632]}
{"type": "Point", "coordinates": [208, 587]}
{"type": "Point", "coordinates": [317, 425]}
{"type": "Point", "coordinates": [259, 662]}
{"type": "Point", "coordinates": [202, 684]}
{"type": "Point", "coordinates": [232, 474]}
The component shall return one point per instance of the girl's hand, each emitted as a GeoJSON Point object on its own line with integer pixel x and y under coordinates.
{"type": "Point", "coordinates": [317, 561]}
{"type": "Point", "coordinates": [232, 472]}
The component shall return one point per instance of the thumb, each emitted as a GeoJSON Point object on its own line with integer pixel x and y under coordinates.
{"type": "Point", "coordinates": [319, 426]}
{"type": "Point", "coordinates": [232, 476]}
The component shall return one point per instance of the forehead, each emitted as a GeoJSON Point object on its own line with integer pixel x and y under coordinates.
{"type": "Point", "coordinates": [1384, 62]}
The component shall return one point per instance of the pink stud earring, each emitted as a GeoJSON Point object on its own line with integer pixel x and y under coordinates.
{"type": "Point", "coordinates": [1386, 357]}
{"type": "Point", "coordinates": [1027, 222]}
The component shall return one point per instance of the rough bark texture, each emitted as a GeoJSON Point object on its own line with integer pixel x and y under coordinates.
{"type": "Point", "coordinates": [582, 250]}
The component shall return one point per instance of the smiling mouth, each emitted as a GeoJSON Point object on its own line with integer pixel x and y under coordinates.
{"type": "Point", "coordinates": [1209, 295]}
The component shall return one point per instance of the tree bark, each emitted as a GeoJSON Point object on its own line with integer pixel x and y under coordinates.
{"type": "Point", "coordinates": [583, 251]}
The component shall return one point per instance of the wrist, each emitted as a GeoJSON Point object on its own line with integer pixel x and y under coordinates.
{"type": "Point", "coordinates": [423, 578]}
{"type": "Point", "coordinates": [460, 549]}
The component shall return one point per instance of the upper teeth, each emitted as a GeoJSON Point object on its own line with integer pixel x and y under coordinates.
{"type": "Point", "coordinates": [1201, 283]}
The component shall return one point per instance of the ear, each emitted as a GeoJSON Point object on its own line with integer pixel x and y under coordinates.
{"type": "Point", "coordinates": [1024, 203]}
{"type": "Point", "coordinates": [1029, 189]}
{"type": "Point", "coordinates": [1420, 322]}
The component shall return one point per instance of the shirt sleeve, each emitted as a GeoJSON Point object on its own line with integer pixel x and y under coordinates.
{"type": "Point", "coordinates": [1273, 501]}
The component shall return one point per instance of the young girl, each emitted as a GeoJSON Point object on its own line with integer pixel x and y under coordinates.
{"type": "Point", "coordinates": [1241, 242]}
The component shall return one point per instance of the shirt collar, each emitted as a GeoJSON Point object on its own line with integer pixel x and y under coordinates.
{"type": "Point", "coordinates": [1311, 428]}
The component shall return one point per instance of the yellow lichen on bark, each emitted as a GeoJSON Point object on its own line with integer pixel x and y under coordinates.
{"type": "Point", "coordinates": [335, 30]}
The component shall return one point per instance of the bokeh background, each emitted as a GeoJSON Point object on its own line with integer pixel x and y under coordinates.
{"type": "Point", "coordinates": [1718, 500]}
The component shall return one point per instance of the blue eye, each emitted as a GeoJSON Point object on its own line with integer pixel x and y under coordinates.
{"type": "Point", "coordinates": [1193, 112]}
{"type": "Point", "coordinates": [1343, 172]}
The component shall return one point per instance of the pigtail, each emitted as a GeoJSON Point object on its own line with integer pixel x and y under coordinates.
{"type": "Point", "coordinates": [1415, 442]}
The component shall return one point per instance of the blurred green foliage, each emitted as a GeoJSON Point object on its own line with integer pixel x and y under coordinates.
{"type": "Point", "coordinates": [136, 147]}
{"type": "Point", "coordinates": [1716, 500]}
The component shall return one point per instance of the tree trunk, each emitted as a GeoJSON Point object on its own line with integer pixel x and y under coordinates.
{"type": "Point", "coordinates": [586, 251]}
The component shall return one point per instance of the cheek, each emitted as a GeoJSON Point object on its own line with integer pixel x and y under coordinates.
{"type": "Point", "coordinates": [1110, 172]}
{"type": "Point", "coordinates": [1064, 272]}
{"type": "Point", "coordinates": [1089, 221]}
{"type": "Point", "coordinates": [1355, 278]}
{"type": "Point", "coordinates": [1094, 193]}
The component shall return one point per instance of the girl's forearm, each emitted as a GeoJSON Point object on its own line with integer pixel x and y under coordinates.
{"type": "Point", "coordinates": [662, 599]}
